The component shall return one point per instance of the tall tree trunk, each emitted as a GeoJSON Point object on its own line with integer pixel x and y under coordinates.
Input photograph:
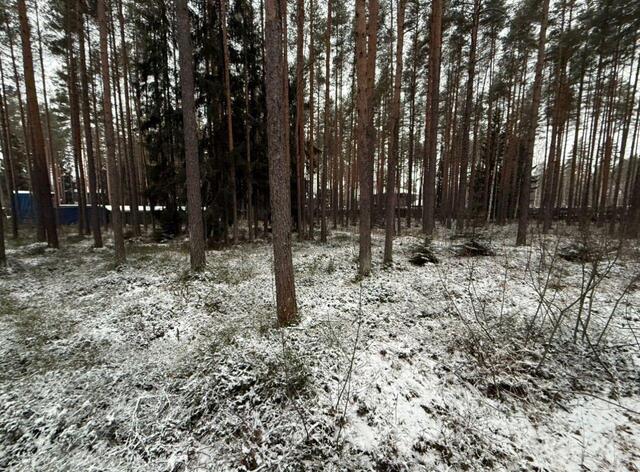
{"type": "Point", "coordinates": [194, 210]}
{"type": "Point", "coordinates": [39, 156]}
{"type": "Point", "coordinates": [431, 128]}
{"type": "Point", "coordinates": [634, 211]}
{"type": "Point", "coordinates": [102, 181]}
{"type": "Point", "coordinates": [394, 127]}
{"type": "Point", "coordinates": [279, 165]}
{"type": "Point", "coordinates": [300, 155]}
{"type": "Point", "coordinates": [326, 132]}
{"type": "Point", "coordinates": [112, 164]}
{"type": "Point", "coordinates": [623, 144]}
{"type": "Point", "coordinates": [74, 111]}
{"type": "Point", "coordinates": [628, 184]}
{"type": "Point", "coordinates": [531, 127]}
{"type": "Point", "coordinates": [247, 131]}
{"type": "Point", "coordinates": [122, 139]}
{"type": "Point", "coordinates": [52, 167]}
{"type": "Point", "coordinates": [229, 117]}
{"type": "Point", "coordinates": [412, 122]}
{"type": "Point", "coordinates": [366, 46]}
{"type": "Point", "coordinates": [461, 206]}
{"type": "Point", "coordinates": [3, 255]}
{"type": "Point", "coordinates": [605, 169]}
{"type": "Point", "coordinates": [88, 137]}
{"type": "Point", "coordinates": [312, 157]}
{"type": "Point", "coordinates": [9, 168]}
{"type": "Point", "coordinates": [27, 139]}
{"type": "Point", "coordinates": [597, 108]}
{"type": "Point", "coordinates": [336, 147]}
{"type": "Point", "coordinates": [574, 157]}
{"type": "Point", "coordinates": [133, 174]}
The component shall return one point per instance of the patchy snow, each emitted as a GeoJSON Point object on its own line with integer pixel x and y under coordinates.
{"type": "Point", "coordinates": [453, 366]}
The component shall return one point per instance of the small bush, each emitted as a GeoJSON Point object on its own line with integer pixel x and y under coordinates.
{"type": "Point", "coordinates": [422, 254]}
{"type": "Point", "coordinates": [475, 248]}
{"type": "Point", "coordinates": [579, 252]}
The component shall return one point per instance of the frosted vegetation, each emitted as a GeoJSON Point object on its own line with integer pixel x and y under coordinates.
{"type": "Point", "coordinates": [523, 359]}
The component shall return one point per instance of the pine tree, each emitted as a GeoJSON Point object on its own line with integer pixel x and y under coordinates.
{"type": "Point", "coordinates": [196, 229]}
{"type": "Point", "coordinates": [279, 165]}
{"type": "Point", "coordinates": [300, 147]}
{"type": "Point", "coordinates": [531, 126]}
{"type": "Point", "coordinates": [432, 116]}
{"type": "Point", "coordinates": [88, 136]}
{"type": "Point", "coordinates": [394, 129]}
{"type": "Point", "coordinates": [40, 175]}
{"type": "Point", "coordinates": [366, 48]}
{"type": "Point", "coordinates": [3, 255]}
{"type": "Point", "coordinates": [7, 153]}
{"type": "Point", "coordinates": [326, 131]}
{"type": "Point", "coordinates": [112, 164]}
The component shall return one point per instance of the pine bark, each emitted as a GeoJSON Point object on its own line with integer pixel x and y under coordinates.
{"type": "Point", "coordinates": [326, 132]}
{"type": "Point", "coordinates": [112, 164]}
{"type": "Point", "coordinates": [3, 255]}
{"type": "Point", "coordinates": [27, 139]}
{"type": "Point", "coordinates": [628, 115]}
{"type": "Point", "coordinates": [461, 200]}
{"type": "Point", "coordinates": [634, 210]}
{"type": "Point", "coordinates": [312, 157]}
{"type": "Point", "coordinates": [531, 127]}
{"type": "Point", "coordinates": [366, 46]}
{"type": "Point", "coordinates": [431, 131]}
{"type": "Point", "coordinates": [74, 110]}
{"type": "Point", "coordinates": [88, 137]}
{"type": "Point", "coordinates": [9, 167]}
{"type": "Point", "coordinates": [394, 127]}
{"type": "Point", "coordinates": [300, 157]}
{"type": "Point", "coordinates": [194, 203]}
{"type": "Point", "coordinates": [52, 165]}
{"type": "Point", "coordinates": [134, 185]}
{"type": "Point", "coordinates": [412, 125]}
{"type": "Point", "coordinates": [247, 132]}
{"type": "Point", "coordinates": [279, 165]}
{"type": "Point", "coordinates": [41, 184]}
{"type": "Point", "coordinates": [229, 117]}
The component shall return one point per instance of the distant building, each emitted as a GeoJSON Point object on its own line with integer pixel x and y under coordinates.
{"type": "Point", "coordinates": [67, 214]}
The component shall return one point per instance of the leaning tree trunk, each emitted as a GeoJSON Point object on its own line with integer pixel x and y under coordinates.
{"type": "Point", "coordinates": [279, 166]}
{"type": "Point", "coordinates": [196, 228]}
{"type": "Point", "coordinates": [532, 126]}
{"type": "Point", "coordinates": [39, 155]}
{"type": "Point", "coordinates": [112, 165]}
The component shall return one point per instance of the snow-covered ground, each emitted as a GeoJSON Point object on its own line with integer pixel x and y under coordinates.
{"type": "Point", "coordinates": [441, 367]}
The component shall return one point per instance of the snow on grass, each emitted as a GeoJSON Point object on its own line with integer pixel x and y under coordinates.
{"type": "Point", "coordinates": [441, 367]}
